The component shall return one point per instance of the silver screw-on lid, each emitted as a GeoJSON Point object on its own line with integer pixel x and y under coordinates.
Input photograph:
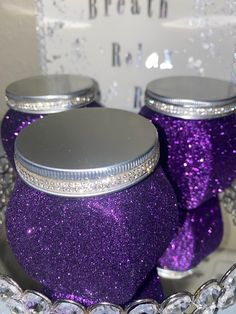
{"type": "Point", "coordinates": [190, 97]}
{"type": "Point", "coordinates": [45, 94]}
{"type": "Point", "coordinates": [86, 152]}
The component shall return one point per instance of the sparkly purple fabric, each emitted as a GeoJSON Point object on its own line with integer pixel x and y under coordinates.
{"type": "Point", "coordinates": [200, 233]}
{"type": "Point", "coordinates": [13, 122]}
{"type": "Point", "coordinates": [96, 248]}
{"type": "Point", "coordinates": [198, 156]}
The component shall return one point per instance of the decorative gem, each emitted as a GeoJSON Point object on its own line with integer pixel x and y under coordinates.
{"type": "Point", "coordinates": [36, 303]}
{"type": "Point", "coordinates": [105, 308]}
{"type": "Point", "coordinates": [228, 283]}
{"type": "Point", "coordinates": [9, 288]}
{"type": "Point", "coordinates": [177, 303]}
{"type": "Point", "coordinates": [67, 307]}
{"type": "Point", "coordinates": [143, 307]}
{"type": "Point", "coordinates": [207, 296]}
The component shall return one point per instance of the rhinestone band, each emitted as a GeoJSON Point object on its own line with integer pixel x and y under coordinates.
{"type": "Point", "coordinates": [209, 298]}
{"type": "Point", "coordinates": [89, 187]}
{"type": "Point", "coordinates": [50, 105]}
{"type": "Point", "coordinates": [195, 112]}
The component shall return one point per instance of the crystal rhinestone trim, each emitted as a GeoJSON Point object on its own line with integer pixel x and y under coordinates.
{"type": "Point", "coordinates": [50, 105]}
{"type": "Point", "coordinates": [208, 299]}
{"type": "Point", "coordinates": [177, 303]}
{"type": "Point", "coordinates": [105, 308]}
{"type": "Point", "coordinates": [88, 186]}
{"type": "Point", "coordinates": [190, 112]}
{"type": "Point", "coordinates": [146, 306]}
{"type": "Point", "coordinates": [228, 284]}
{"type": "Point", "coordinates": [207, 296]}
{"type": "Point", "coordinates": [67, 307]}
{"type": "Point", "coordinates": [35, 302]}
{"type": "Point", "coordinates": [9, 288]}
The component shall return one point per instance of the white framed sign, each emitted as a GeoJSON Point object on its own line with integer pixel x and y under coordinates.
{"type": "Point", "coordinates": [124, 44]}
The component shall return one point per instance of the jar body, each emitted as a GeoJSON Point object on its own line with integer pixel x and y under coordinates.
{"type": "Point", "coordinates": [92, 249]}
{"type": "Point", "coordinates": [151, 288]}
{"type": "Point", "coordinates": [13, 122]}
{"type": "Point", "coordinates": [198, 156]}
{"type": "Point", "coordinates": [200, 233]}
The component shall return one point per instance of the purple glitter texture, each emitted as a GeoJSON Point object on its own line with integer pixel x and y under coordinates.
{"type": "Point", "coordinates": [151, 288]}
{"type": "Point", "coordinates": [96, 248]}
{"type": "Point", "coordinates": [13, 122]}
{"type": "Point", "coordinates": [200, 233]}
{"type": "Point", "coordinates": [198, 156]}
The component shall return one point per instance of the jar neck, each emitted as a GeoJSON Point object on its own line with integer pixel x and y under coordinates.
{"type": "Point", "coordinates": [50, 105]}
{"type": "Point", "coordinates": [190, 110]}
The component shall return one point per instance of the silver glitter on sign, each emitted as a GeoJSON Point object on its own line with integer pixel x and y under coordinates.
{"type": "Point", "coordinates": [79, 52]}
{"type": "Point", "coordinates": [202, 21]}
{"type": "Point", "coordinates": [195, 64]}
{"type": "Point", "coordinates": [111, 92]}
{"type": "Point", "coordinates": [41, 35]}
{"type": "Point", "coordinates": [54, 27]}
{"type": "Point", "coordinates": [59, 5]}
{"type": "Point", "coordinates": [231, 11]}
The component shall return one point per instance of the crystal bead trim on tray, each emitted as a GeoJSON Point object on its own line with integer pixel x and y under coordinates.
{"type": "Point", "coordinates": [147, 306]}
{"type": "Point", "coordinates": [194, 111]}
{"type": "Point", "coordinates": [104, 183]}
{"type": "Point", "coordinates": [105, 308]}
{"type": "Point", "coordinates": [208, 299]}
{"type": "Point", "coordinates": [207, 296]}
{"type": "Point", "coordinates": [51, 105]}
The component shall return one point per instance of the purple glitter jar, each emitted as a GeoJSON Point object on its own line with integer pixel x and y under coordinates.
{"type": "Point", "coordinates": [32, 98]}
{"type": "Point", "coordinates": [197, 128]}
{"type": "Point", "coordinates": [95, 212]}
{"type": "Point", "coordinates": [200, 233]}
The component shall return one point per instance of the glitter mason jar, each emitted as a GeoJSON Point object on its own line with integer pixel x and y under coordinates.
{"type": "Point", "coordinates": [32, 98]}
{"type": "Point", "coordinates": [196, 122]}
{"type": "Point", "coordinates": [91, 211]}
